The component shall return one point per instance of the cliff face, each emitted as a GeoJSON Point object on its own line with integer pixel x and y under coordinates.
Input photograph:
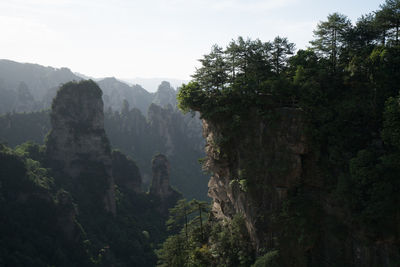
{"type": "Point", "coordinates": [253, 174]}
{"type": "Point", "coordinates": [161, 125]}
{"type": "Point", "coordinates": [268, 173]}
{"type": "Point", "coordinates": [77, 144]}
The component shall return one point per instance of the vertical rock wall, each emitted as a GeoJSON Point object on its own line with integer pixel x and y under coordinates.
{"type": "Point", "coordinates": [77, 144]}
{"type": "Point", "coordinates": [266, 171]}
{"type": "Point", "coordinates": [252, 173]}
{"type": "Point", "coordinates": [160, 187]}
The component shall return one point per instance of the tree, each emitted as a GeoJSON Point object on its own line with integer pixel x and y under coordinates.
{"type": "Point", "coordinates": [212, 76]}
{"type": "Point", "coordinates": [173, 252]}
{"type": "Point", "coordinates": [202, 207]}
{"type": "Point", "coordinates": [179, 216]}
{"type": "Point", "coordinates": [331, 36]}
{"type": "Point", "coordinates": [366, 31]}
{"type": "Point", "coordinates": [254, 65]}
{"type": "Point", "coordinates": [183, 215]}
{"type": "Point", "coordinates": [391, 124]}
{"type": "Point", "coordinates": [281, 49]}
{"type": "Point", "coordinates": [389, 20]}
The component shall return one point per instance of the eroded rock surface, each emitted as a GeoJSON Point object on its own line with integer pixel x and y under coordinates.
{"type": "Point", "coordinates": [160, 187]}
{"type": "Point", "coordinates": [77, 144]}
{"type": "Point", "coordinates": [267, 171]}
{"type": "Point", "coordinates": [161, 171]}
{"type": "Point", "coordinates": [252, 175]}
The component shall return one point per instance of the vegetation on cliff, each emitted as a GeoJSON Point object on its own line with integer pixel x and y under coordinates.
{"type": "Point", "coordinates": [346, 87]}
{"type": "Point", "coordinates": [31, 207]}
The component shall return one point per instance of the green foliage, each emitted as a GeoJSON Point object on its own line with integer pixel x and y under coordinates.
{"type": "Point", "coordinates": [270, 259]}
{"type": "Point", "coordinates": [281, 49]}
{"type": "Point", "coordinates": [190, 95]}
{"type": "Point", "coordinates": [243, 69]}
{"type": "Point", "coordinates": [391, 123]}
{"type": "Point", "coordinates": [230, 243]}
{"type": "Point", "coordinates": [388, 18]}
{"type": "Point", "coordinates": [374, 180]}
{"type": "Point", "coordinates": [173, 252]}
{"type": "Point", "coordinates": [30, 231]}
{"type": "Point", "coordinates": [201, 242]}
{"type": "Point", "coordinates": [331, 37]}
{"type": "Point", "coordinates": [220, 244]}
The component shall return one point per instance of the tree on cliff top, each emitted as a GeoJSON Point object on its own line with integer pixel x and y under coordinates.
{"type": "Point", "coordinates": [244, 70]}
{"type": "Point", "coordinates": [331, 37]}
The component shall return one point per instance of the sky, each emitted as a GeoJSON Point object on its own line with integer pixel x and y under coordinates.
{"type": "Point", "coordinates": [152, 38]}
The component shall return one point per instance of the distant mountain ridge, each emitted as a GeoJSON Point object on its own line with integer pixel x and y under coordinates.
{"type": "Point", "coordinates": [26, 87]}
{"type": "Point", "coordinates": [38, 78]}
{"type": "Point", "coordinates": [151, 84]}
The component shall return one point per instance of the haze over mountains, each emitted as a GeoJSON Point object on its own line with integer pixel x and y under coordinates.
{"type": "Point", "coordinates": [138, 122]}
{"type": "Point", "coordinates": [151, 84]}
{"type": "Point", "coordinates": [30, 87]}
{"type": "Point", "coordinates": [299, 150]}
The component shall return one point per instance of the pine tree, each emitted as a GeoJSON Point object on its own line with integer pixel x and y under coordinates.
{"type": "Point", "coordinates": [331, 36]}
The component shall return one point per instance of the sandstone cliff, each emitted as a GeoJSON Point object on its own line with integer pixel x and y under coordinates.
{"type": "Point", "coordinates": [267, 171]}
{"type": "Point", "coordinates": [77, 144]}
{"type": "Point", "coordinates": [160, 187]}
{"type": "Point", "coordinates": [253, 174]}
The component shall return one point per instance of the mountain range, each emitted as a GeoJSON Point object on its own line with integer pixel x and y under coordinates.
{"type": "Point", "coordinates": [26, 87]}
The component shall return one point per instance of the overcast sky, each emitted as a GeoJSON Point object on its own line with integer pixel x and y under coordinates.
{"type": "Point", "coordinates": [152, 38]}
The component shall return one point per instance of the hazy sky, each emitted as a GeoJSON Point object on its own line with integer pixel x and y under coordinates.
{"type": "Point", "coordinates": [152, 38]}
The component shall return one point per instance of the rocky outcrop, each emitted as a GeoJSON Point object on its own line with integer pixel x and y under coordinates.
{"type": "Point", "coordinates": [267, 172]}
{"type": "Point", "coordinates": [160, 184]}
{"type": "Point", "coordinates": [162, 124]}
{"type": "Point", "coordinates": [165, 95]}
{"type": "Point", "coordinates": [166, 131]}
{"type": "Point", "coordinates": [77, 145]}
{"type": "Point", "coordinates": [67, 218]}
{"type": "Point", "coordinates": [160, 187]}
{"type": "Point", "coordinates": [252, 174]}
